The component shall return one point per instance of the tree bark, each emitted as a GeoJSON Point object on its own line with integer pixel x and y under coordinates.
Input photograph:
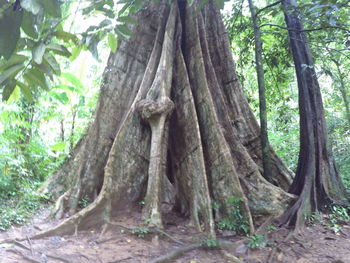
{"type": "Point", "coordinates": [172, 128]}
{"type": "Point", "coordinates": [265, 146]}
{"type": "Point", "coordinates": [317, 182]}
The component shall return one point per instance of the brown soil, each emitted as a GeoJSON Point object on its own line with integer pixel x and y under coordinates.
{"type": "Point", "coordinates": [315, 244]}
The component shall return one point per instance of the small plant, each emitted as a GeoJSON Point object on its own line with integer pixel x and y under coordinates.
{"type": "Point", "coordinates": [210, 242]}
{"type": "Point", "coordinates": [313, 218]}
{"type": "Point", "coordinates": [271, 228]}
{"type": "Point", "coordinates": [141, 232]}
{"type": "Point", "coordinates": [257, 241]}
{"type": "Point", "coordinates": [339, 215]}
{"type": "Point", "coordinates": [236, 221]}
{"type": "Point", "coordinates": [84, 202]}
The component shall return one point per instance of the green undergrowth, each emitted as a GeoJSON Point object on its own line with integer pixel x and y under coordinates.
{"type": "Point", "coordinates": [236, 220]}
{"type": "Point", "coordinates": [20, 206]}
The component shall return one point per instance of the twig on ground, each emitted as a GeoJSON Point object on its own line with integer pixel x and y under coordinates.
{"type": "Point", "coordinates": [57, 258]}
{"type": "Point", "coordinates": [18, 252]}
{"type": "Point", "coordinates": [119, 260]}
{"type": "Point", "coordinates": [175, 253]}
{"type": "Point", "coordinates": [19, 244]}
{"type": "Point", "coordinates": [30, 245]}
{"type": "Point", "coordinates": [229, 257]}
{"type": "Point", "coordinates": [178, 252]}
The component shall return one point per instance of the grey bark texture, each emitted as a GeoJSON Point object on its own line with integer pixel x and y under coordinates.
{"type": "Point", "coordinates": [317, 181]}
{"type": "Point", "coordinates": [172, 128]}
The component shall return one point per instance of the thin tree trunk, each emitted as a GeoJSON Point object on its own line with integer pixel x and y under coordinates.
{"type": "Point", "coordinates": [317, 182]}
{"type": "Point", "coordinates": [343, 91]}
{"type": "Point", "coordinates": [265, 146]}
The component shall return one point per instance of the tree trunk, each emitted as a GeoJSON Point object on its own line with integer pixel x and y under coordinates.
{"type": "Point", "coordinates": [172, 128]}
{"type": "Point", "coordinates": [317, 182]}
{"type": "Point", "coordinates": [343, 90]}
{"type": "Point", "coordinates": [265, 146]}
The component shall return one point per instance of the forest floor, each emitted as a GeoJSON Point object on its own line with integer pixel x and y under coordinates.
{"type": "Point", "coordinates": [315, 244]}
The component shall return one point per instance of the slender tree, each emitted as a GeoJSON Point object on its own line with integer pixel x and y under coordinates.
{"type": "Point", "coordinates": [317, 182]}
{"type": "Point", "coordinates": [265, 146]}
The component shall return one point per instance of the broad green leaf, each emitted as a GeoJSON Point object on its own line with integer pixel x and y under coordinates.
{"type": "Point", "coordinates": [75, 52]}
{"type": "Point", "coordinates": [28, 25]}
{"type": "Point", "coordinates": [14, 60]}
{"type": "Point", "coordinates": [92, 42]}
{"type": "Point", "coordinates": [112, 42]}
{"type": "Point", "coordinates": [52, 7]}
{"type": "Point", "coordinates": [38, 52]}
{"type": "Point", "coordinates": [104, 23]}
{"type": "Point", "coordinates": [127, 20]}
{"type": "Point", "coordinates": [72, 79]}
{"type": "Point", "coordinates": [51, 60]}
{"type": "Point", "coordinates": [66, 36]}
{"type": "Point", "coordinates": [36, 78]}
{"type": "Point", "coordinates": [124, 30]}
{"type": "Point", "coordinates": [15, 95]}
{"type": "Point", "coordinates": [61, 97]}
{"type": "Point", "coordinates": [8, 90]}
{"type": "Point", "coordinates": [25, 91]}
{"type": "Point", "coordinates": [10, 73]}
{"type": "Point", "coordinates": [58, 147]}
{"type": "Point", "coordinates": [32, 6]}
{"type": "Point", "coordinates": [10, 23]}
{"type": "Point", "coordinates": [58, 49]}
{"type": "Point", "coordinates": [45, 68]}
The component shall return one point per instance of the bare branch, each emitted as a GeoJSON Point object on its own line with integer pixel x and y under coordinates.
{"type": "Point", "coordinates": [267, 7]}
{"type": "Point", "coordinates": [307, 30]}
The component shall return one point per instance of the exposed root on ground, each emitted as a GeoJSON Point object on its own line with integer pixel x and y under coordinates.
{"type": "Point", "coordinates": [31, 258]}
{"type": "Point", "coordinates": [182, 250]}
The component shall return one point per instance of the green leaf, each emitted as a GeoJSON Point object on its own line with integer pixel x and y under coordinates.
{"type": "Point", "coordinates": [45, 68]}
{"type": "Point", "coordinates": [92, 42]}
{"type": "Point", "coordinates": [36, 78]}
{"type": "Point", "coordinates": [66, 36]}
{"type": "Point", "coordinates": [32, 6]}
{"type": "Point", "coordinates": [8, 90]}
{"type": "Point", "coordinates": [38, 52]}
{"type": "Point", "coordinates": [10, 23]}
{"type": "Point", "coordinates": [112, 42]}
{"type": "Point", "coordinates": [58, 49]}
{"type": "Point", "coordinates": [51, 60]}
{"type": "Point", "coordinates": [123, 31]}
{"type": "Point", "coordinates": [69, 77]}
{"type": "Point", "coordinates": [127, 20]}
{"type": "Point", "coordinates": [52, 7]}
{"type": "Point", "coordinates": [75, 52]}
{"type": "Point", "coordinates": [25, 91]}
{"type": "Point", "coordinates": [28, 24]}
{"type": "Point", "coordinates": [10, 73]}
{"type": "Point", "coordinates": [58, 147]}
{"type": "Point", "coordinates": [61, 97]}
{"type": "Point", "coordinates": [14, 60]}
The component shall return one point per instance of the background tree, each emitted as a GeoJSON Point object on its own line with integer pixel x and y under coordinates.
{"type": "Point", "coordinates": [317, 182]}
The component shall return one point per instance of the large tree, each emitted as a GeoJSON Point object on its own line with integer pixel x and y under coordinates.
{"type": "Point", "coordinates": [172, 128]}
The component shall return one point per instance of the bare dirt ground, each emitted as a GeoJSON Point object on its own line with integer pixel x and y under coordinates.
{"type": "Point", "coordinates": [315, 244]}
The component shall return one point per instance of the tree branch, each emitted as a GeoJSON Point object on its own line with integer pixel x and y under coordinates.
{"type": "Point", "coordinates": [307, 30]}
{"type": "Point", "coordinates": [267, 7]}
